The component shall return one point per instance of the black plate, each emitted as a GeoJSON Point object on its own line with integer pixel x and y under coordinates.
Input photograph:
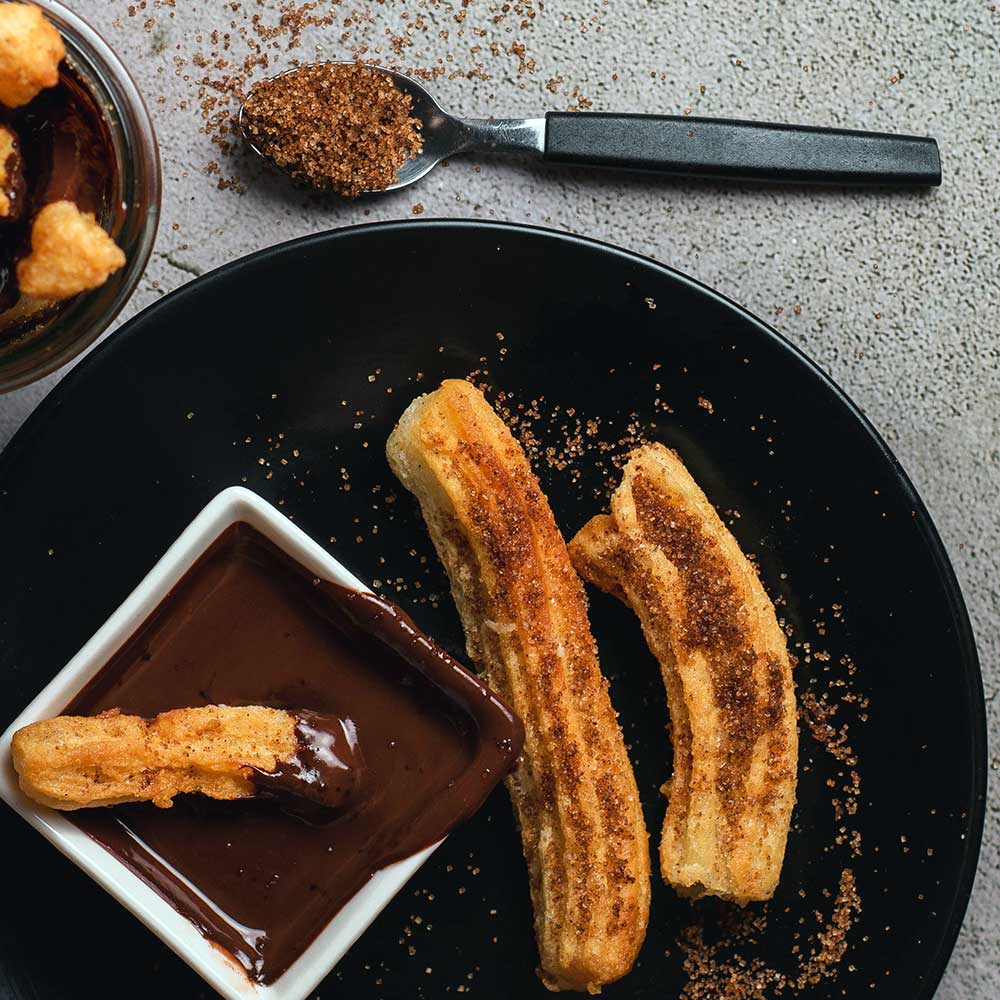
{"type": "Point", "coordinates": [142, 434]}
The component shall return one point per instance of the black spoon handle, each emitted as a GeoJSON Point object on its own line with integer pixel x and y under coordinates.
{"type": "Point", "coordinates": [737, 150]}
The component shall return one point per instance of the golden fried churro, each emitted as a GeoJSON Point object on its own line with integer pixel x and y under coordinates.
{"type": "Point", "coordinates": [75, 762]}
{"type": "Point", "coordinates": [707, 619]}
{"type": "Point", "coordinates": [526, 627]}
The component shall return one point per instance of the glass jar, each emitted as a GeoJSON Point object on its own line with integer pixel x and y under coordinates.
{"type": "Point", "coordinates": [67, 328]}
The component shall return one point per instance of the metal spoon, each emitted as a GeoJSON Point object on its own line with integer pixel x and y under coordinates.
{"type": "Point", "coordinates": [669, 144]}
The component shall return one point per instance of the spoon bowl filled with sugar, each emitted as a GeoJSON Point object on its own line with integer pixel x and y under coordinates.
{"type": "Point", "coordinates": [357, 129]}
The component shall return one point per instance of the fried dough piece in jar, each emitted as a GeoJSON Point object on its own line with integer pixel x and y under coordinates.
{"type": "Point", "coordinates": [30, 52]}
{"type": "Point", "coordinates": [70, 253]}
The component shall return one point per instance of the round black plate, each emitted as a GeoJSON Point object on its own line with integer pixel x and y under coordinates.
{"type": "Point", "coordinates": [316, 346]}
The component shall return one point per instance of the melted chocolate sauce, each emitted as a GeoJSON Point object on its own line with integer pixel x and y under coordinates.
{"type": "Point", "coordinates": [327, 772]}
{"type": "Point", "coordinates": [14, 188]}
{"type": "Point", "coordinates": [65, 152]}
{"type": "Point", "coordinates": [423, 739]}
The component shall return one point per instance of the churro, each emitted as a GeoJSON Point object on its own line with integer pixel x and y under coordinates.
{"type": "Point", "coordinates": [706, 617]}
{"type": "Point", "coordinates": [525, 617]}
{"type": "Point", "coordinates": [77, 762]}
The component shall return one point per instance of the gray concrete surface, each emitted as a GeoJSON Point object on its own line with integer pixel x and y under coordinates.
{"type": "Point", "coordinates": [898, 294]}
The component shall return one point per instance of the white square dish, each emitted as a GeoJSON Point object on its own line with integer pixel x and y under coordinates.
{"type": "Point", "coordinates": [232, 506]}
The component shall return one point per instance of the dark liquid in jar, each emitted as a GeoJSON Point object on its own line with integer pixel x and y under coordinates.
{"type": "Point", "coordinates": [66, 152]}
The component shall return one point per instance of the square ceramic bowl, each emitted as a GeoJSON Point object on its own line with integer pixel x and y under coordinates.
{"type": "Point", "coordinates": [232, 506]}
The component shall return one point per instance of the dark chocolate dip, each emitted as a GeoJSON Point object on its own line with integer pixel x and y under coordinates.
{"type": "Point", "coordinates": [423, 740]}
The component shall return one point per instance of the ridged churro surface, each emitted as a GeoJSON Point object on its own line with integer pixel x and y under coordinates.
{"type": "Point", "coordinates": [75, 762]}
{"type": "Point", "coordinates": [707, 619]}
{"type": "Point", "coordinates": [525, 618]}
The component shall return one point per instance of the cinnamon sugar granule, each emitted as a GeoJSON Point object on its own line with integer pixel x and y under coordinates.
{"type": "Point", "coordinates": [338, 127]}
{"type": "Point", "coordinates": [727, 968]}
{"type": "Point", "coordinates": [432, 40]}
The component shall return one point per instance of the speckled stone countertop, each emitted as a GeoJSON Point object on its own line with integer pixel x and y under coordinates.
{"type": "Point", "coordinates": [896, 295]}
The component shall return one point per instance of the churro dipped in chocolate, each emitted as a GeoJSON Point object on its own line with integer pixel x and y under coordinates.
{"type": "Point", "coordinates": [78, 762]}
{"type": "Point", "coordinates": [525, 618]}
{"type": "Point", "coordinates": [706, 617]}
